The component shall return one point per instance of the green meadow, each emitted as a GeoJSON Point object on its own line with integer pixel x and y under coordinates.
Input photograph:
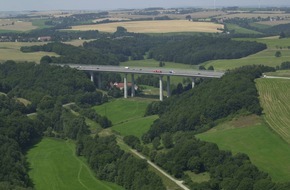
{"type": "Point", "coordinates": [127, 115]}
{"type": "Point", "coordinates": [241, 30]}
{"type": "Point", "coordinates": [54, 166]}
{"type": "Point", "coordinates": [265, 149]}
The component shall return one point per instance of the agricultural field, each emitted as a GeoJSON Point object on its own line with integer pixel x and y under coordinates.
{"type": "Point", "coordinates": [11, 51]}
{"type": "Point", "coordinates": [54, 165]}
{"type": "Point", "coordinates": [266, 57]}
{"type": "Point", "coordinates": [241, 30]}
{"type": "Point", "coordinates": [274, 97]}
{"type": "Point", "coordinates": [256, 15]}
{"type": "Point", "coordinates": [279, 73]}
{"type": "Point", "coordinates": [15, 25]}
{"type": "Point", "coordinates": [252, 136]}
{"type": "Point", "coordinates": [164, 26]}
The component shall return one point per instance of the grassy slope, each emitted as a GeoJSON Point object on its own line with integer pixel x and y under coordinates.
{"type": "Point", "coordinates": [279, 73]}
{"type": "Point", "coordinates": [274, 97]}
{"type": "Point", "coordinates": [54, 165]}
{"type": "Point", "coordinates": [127, 115]}
{"type": "Point", "coordinates": [266, 57]}
{"type": "Point", "coordinates": [265, 149]}
{"type": "Point", "coordinates": [11, 51]}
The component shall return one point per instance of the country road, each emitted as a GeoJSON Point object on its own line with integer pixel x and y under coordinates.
{"type": "Point", "coordinates": [178, 182]}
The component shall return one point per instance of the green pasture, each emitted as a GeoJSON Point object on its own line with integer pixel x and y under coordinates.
{"type": "Point", "coordinates": [123, 110]}
{"type": "Point", "coordinates": [136, 127]}
{"type": "Point", "coordinates": [40, 23]}
{"type": "Point", "coordinates": [265, 149]}
{"type": "Point", "coordinates": [274, 98]}
{"type": "Point", "coordinates": [241, 30]}
{"type": "Point", "coordinates": [11, 51]}
{"type": "Point", "coordinates": [260, 25]}
{"type": "Point", "coordinates": [198, 178]}
{"type": "Point", "coordinates": [54, 165]}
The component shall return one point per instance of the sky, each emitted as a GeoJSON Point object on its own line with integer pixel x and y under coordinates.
{"type": "Point", "coordinates": [24, 5]}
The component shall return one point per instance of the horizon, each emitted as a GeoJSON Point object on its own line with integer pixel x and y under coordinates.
{"type": "Point", "coordinates": [31, 5]}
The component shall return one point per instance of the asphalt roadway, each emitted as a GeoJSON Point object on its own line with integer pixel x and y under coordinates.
{"type": "Point", "coordinates": [149, 70]}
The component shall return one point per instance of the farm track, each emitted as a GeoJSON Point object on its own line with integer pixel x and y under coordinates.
{"type": "Point", "coordinates": [274, 98]}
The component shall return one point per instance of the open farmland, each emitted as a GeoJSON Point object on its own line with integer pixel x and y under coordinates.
{"type": "Point", "coordinates": [164, 26]}
{"type": "Point", "coordinates": [54, 166]}
{"type": "Point", "coordinates": [16, 25]}
{"type": "Point", "coordinates": [11, 51]}
{"type": "Point", "coordinates": [265, 57]}
{"type": "Point", "coordinates": [274, 97]}
{"type": "Point", "coordinates": [251, 135]}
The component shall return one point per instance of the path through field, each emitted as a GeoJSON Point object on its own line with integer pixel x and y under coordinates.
{"type": "Point", "coordinates": [55, 166]}
{"type": "Point", "coordinates": [275, 100]}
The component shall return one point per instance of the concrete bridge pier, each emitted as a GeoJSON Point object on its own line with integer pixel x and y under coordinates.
{"type": "Point", "coordinates": [133, 86]}
{"type": "Point", "coordinates": [160, 89]}
{"type": "Point", "coordinates": [168, 86]}
{"type": "Point", "coordinates": [92, 76]}
{"type": "Point", "coordinates": [125, 87]}
{"type": "Point", "coordinates": [192, 82]}
{"type": "Point", "coordinates": [99, 81]}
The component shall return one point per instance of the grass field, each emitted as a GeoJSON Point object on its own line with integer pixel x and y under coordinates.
{"type": "Point", "coordinates": [241, 30]}
{"type": "Point", "coordinates": [266, 57]}
{"type": "Point", "coordinates": [127, 115]}
{"type": "Point", "coordinates": [274, 97]}
{"type": "Point", "coordinates": [163, 26]}
{"type": "Point", "coordinates": [252, 136]}
{"type": "Point", "coordinates": [11, 51]}
{"type": "Point", "coordinates": [16, 25]}
{"type": "Point", "coordinates": [55, 166]}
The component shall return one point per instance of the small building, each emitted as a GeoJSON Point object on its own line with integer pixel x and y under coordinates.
{"type": "Point", "coordinates": [121, 85]}
{"type": "Point", "coordinates": [44, 38]}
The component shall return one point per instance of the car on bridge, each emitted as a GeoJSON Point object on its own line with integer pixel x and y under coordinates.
{"type": "Point", "coordinates": [157, 71]}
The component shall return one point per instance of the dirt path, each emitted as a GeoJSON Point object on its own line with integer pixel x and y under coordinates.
{"type": "Point", "coordinates": [178, 182]}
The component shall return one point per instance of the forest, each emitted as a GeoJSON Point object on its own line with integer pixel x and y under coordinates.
{"type": "Point", "coordinates": [48, 88]}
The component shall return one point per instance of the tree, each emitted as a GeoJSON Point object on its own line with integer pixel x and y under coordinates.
{"type": "Point", "coordinates": [282, 35]}
{"type": "Point", "coordinates": [156, 142]}
{"type": "Point", "coordinates": [188, 17]}
{"type": "Point", "coordinates": [278, 54]}
{"type": "Point", "coordinates": [167, 140]}
{"type": "Point", "coordinates": [211, 68]}
{"type": "Point", "coordinates": [201, 67]}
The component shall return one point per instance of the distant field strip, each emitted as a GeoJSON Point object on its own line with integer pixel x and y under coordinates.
{"type": "Point", "coordinates": [164, 26]}
{"type": "Point", "coordinates": [275, 99]}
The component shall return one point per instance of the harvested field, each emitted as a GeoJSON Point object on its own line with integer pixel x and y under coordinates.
{"type": "Point", "coordinates": [165, 26]}
{"type": "Point", "coordinates": [274, 97]}
{"type": "Point", "coordinates": [16, 25]}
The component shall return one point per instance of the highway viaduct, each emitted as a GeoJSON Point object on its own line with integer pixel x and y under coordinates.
{"type": "Point", "coordinates": [161, 72]}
